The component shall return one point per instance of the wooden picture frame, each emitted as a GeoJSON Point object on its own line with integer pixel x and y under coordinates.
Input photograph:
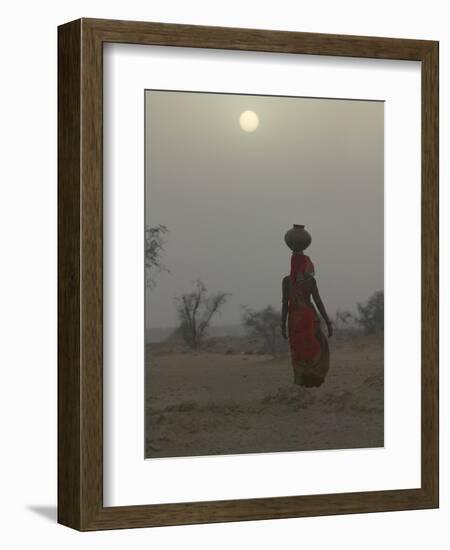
{"type": "Point", "coordinates": [80, 271]}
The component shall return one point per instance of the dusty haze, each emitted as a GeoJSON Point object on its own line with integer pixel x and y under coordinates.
{"type": "Point", "coordinates": [227, 197]}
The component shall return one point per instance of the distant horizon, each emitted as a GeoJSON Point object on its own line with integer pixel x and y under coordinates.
{"type": "Point", "coordinates": [217, 325]}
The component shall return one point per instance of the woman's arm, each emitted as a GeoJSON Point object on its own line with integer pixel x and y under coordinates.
{"type": "Point", "coordinates": [321, 307]}
{"type": "Point", "coordinates": [284, 306]}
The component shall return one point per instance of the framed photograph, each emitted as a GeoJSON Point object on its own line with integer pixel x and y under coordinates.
{"type": "Point", "coordinates": [248, 274]}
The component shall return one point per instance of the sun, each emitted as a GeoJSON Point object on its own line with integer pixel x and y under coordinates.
{"type": "Point", "coordinates": [249, 121]}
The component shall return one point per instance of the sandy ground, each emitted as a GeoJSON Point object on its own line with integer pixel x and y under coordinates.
{"type": "Point", "coordinates": [210, 403]}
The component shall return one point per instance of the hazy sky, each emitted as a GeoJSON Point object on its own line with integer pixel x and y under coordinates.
{"type": "Point", "coordinates": [228, 196]}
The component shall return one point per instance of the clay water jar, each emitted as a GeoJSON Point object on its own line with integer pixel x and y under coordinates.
{"type": "Point", "coordinates": [297, 238]}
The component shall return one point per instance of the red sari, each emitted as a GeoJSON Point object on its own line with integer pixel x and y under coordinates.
{"type": "Point", "coordinates": [309, 347]}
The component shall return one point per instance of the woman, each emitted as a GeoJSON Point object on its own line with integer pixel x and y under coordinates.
{"type": "Point", "coordinates": [310, 354]}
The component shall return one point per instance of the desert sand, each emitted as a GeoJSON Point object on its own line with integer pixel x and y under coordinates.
{"type": "Point", "coordinates": [209, 403]}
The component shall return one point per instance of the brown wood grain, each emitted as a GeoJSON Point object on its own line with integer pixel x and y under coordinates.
{"type": "Point", "coordinates": [69, 243]}
{"type": "Point", "coordinates": [430, 272]}
{"type": "Point", "coordinates": [80, 265]}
